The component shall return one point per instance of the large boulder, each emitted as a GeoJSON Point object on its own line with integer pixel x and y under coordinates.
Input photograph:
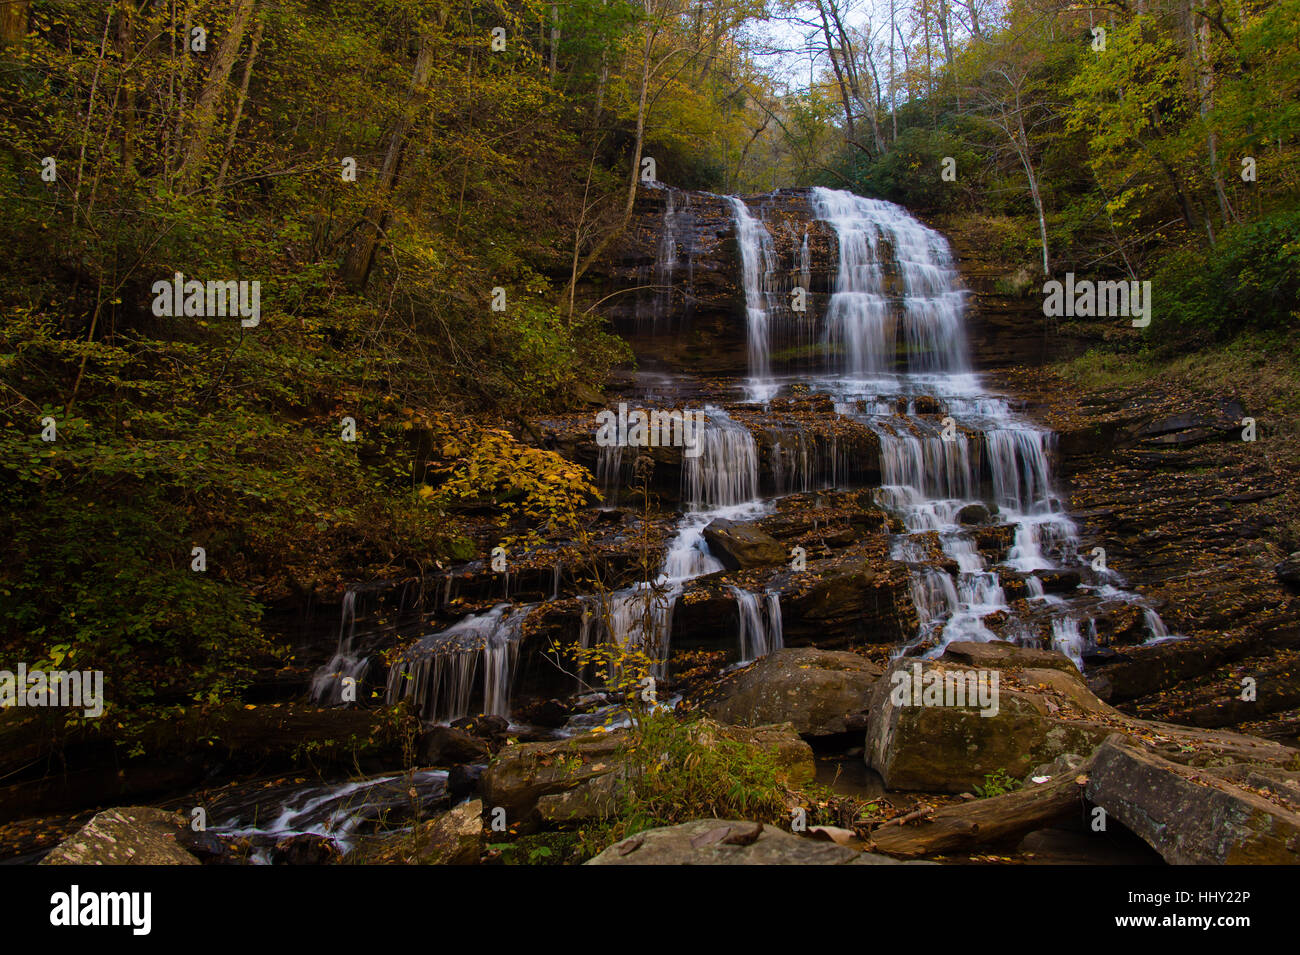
{"type": "Point", "coordinates": [522, 774]}
{"type": "Point", "coordinates": [1191, 817]}
{"type": "Point", "coordinates": [820, 692]}
{"type": "Point", "coordinates": [940, 740]}
{"type": "Point", "coordinates": [741, 546]}
{"type": "Point", "coordinates": [728, 842]}
{"type": "Point", "coordinates": [950, 742]}
{"type": "Point", "coordinates": [131, 835]}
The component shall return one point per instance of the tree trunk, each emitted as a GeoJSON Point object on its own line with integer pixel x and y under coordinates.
{"type": "Point", "coordinates": [239, 106]}
{"type": "Point", "coordinates": [967, 825]}
{"type": "Point", "coordinates": [1022, 147]}
{"type": "Point", "coordinates": [360, 257]}
{"type": "Point", "coordinates": [125, 31]}
{"type": "Point", "coordinates": [555, 38]}
{"type": "Point", "coordinates": [839, 75]}
{"type": "Point", "coordinates": [13, 20]}
{"type": "Point", "coordinates": [1203, 67]}
{"type": "Point", "coordinates": [943, 32]}
{"type": "Point", "coordinates": [893, 89]}
{"type": "Point", "coordinates": [204, 116]}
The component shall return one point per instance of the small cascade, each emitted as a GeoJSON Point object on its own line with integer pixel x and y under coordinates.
{"type": "Point", "coordinates": [758, 267]}
{"type": "Point", "coordinates": [722, 481]}
{"type": "Point", "coordinates": [340, 811]}
{"type": "Point", "coordinates": [726, 470]}
{"type": "Point", "coordinates": [1067, 639]}
{"type": "Point", "coordinates": [327, 683]}
{"type": "Point", "coordinates": [441, 672]}
{"type": "Point", "coordinates": [759, 629]}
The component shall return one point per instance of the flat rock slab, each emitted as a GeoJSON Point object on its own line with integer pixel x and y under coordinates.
{"type": "Point", "coordinates": [1190, 816]}
{"type": "Point", "coordinates": [132, 835]}
{"type": "Point", "coordinates": [997, 654]}
{"type": "Point", "coordinates": [730, 842]}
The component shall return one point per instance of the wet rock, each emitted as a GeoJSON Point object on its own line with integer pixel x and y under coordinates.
{"type": "Point", "coordinates": [1059, 581]}
{"type": "Point", "coordinates": [740, 545]}
{"type": "Point", "coordinates": [305, 849]}
{"type": "Point", "coordinates": [453, 838]}
{"type": "Point", "coordinates": [131, 835]}
{"type": "Point", "coordinates": [820, 692]}
{"type": "Point", "coordinates": [729, 842]}
{"type": "Point", "coordinates": [973, 514]}
{"type": "Point", "coordinates": [841, 605]}
{"type": "Point", "coordinates": [549, 713]}
{"type": "Point", "coordinates": [209, 848]}
{"type": "Point", "coordinates": [491, 729]}
{"type": "Point", "coordinates": [1191, 818]}
{"type": "Point", "coordinates": [462, 781]}
{"type": "Point", "coordinates": [446, 745]}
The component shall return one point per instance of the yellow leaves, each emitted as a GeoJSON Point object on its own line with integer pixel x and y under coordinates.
{"type": "Point", "coordinates": [425, 492]}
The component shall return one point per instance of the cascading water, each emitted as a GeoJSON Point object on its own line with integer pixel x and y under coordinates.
{"type": "Point", "coordinates": [863, 321]}
{"type": "Point", "coordinates": [721, 481]}
{"type": "Point", "coordinates": [440, 673]}
{"type": "Point", "coordinates": [956, 465]}
{"type": "Point", "coordinates": [758, 266]}
{"type": "Point", "coordinates": [973, 458]}
{"type": "Point", "coordinates": [760, 623]}
{"type": "Point", "coordinates": [329, 682]}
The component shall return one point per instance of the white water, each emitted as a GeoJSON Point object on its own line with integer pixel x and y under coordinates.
{"type": "Point", "coordinates": [894, 331]}
{"type": "Point", "coordinates": [441, 672]}
{"type": "Point", "coordinates": [895, 327]}
{"type": "Point", "coordinates": [722, 482]}
{"type": "Point", "coordinates": [758, 265]}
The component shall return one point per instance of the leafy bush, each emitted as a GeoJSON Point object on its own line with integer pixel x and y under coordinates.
{"type": "Point", "coordinates": [1249, 280]}
{"type": "Point", "coordinates": [909, 173]}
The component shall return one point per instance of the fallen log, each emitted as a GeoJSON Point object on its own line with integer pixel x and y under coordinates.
{"type": "Point", "coordinates": [957, 828]}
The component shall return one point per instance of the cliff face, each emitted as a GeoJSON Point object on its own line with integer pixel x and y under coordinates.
{"type": "Point", "coordinates": [1188, 513]}
{"type": "Point", "coordinates": [684, 308]}
{"type": "Point", "coordinates": [682, 257]}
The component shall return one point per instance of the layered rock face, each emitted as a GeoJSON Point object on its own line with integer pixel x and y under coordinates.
{"type": "Point", "coordinates": [851, 482]}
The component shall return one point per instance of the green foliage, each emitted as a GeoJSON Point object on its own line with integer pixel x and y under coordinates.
{"type": "Point", "coordinates": [909, 172]}
{"type": "Point", "coordinates": [1249, 281]}
{"type": "Point", "coordinates": [997, 784]}
{"type": "Point", "coordinates": [679, 771]}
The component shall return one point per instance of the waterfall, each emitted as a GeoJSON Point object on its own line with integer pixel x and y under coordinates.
{"type": "Point", "coordinates": [721, 482]}
{"type": "Point", "coordinates": [895, 330]}
{"type": "Point", "coordinates": [877, 238]}
{"type": "Point", "coordinates": [440, 673]}
{"type": "Point", "coordinates": [347, 663]}
{"type": "Point", "coordinates": [758, 266]}
{"type": "Point", "coordinates": [726, 470]}
{"type": "Point", "coordinates": [759, 627]}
